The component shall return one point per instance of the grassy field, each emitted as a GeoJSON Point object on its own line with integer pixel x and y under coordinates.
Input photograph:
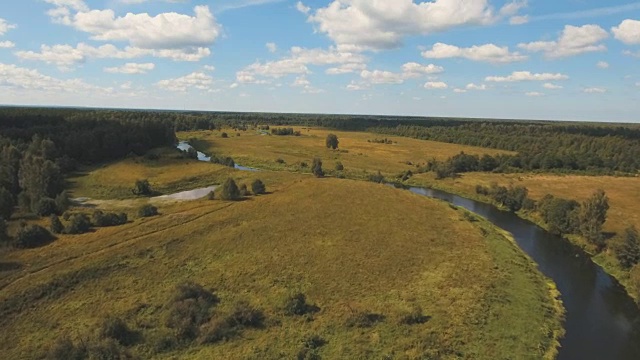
{"type": "Point", "coordinates": [347, 245]}
{"type": "Point", "coordinates": [355, 152]}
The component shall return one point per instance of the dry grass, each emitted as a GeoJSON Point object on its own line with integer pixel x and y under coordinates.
{"type": "Point", "coordinates": [345, 244]}
{"type": "Point", "coordinates": [262, 151]}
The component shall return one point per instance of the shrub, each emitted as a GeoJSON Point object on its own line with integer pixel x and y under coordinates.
{"type": "Point", "coordinates": [316, 168]}
{"type": "Point", "coordinates": [211, 195]}
{"type": "Point", "coordinates": [339, 166]}
{"type": "Point", "coordinates": [628, 252]}
{"type": "Point", "coordinates": [244, 191]}
{"type": "Point", "coordinates": [64, 349]}
{"type": "Point", "coordinates": [46, 206]}
{"type": "Point", "coordinates": [147, 210]}
{"type": "Point", "coordinates": [79, 224]}
{"type": "Point", "coordinates": [363, 319]}
{"type": "Point", "coordinates": [415, 316]}
{"type": "Point", "coordinates": [243, 314]}
{"type": "Point", "coordinates": [376, 178]}
{"type": "Point", "coordinates": [297, 305]}
{"type": "Point", "coordinates": [116, 329]}
{"type": "Point", "coordinates": [226, 161]}
{"type": "Point", "coordinates": [31, 236]}
{"type": "Point", "coordinates": [280, 161]}
{"type": "Point", "coordinates": [310, 346]}
{"type": "Point", "coordinates": [304, 165]}
{"type": "Point", "coordinates": [190, 308]}
{"type": "Point", "coordinates": [6, 203]}
{"type": "Point", "coordinates": [258, 187]}
{"type": "Point", "coordinates": [332, 141]}
{"type": "Point", "coordinates": [55, 225]}
{"type": "Point", "coordinates": [142, 188]}
{"type": "Point", "coordinates": [224, 135]}
{"type": "Point", "coordinates": [62, 202]}
{"type": "Point", "coordinates": [4, 237]}
{"type": "Point", "coordinates": [100, 219]}
{"type": "Point", "coordinates": [230, 190]}
{"type": "Point", "coordinates": [192, 153]}
{"type": "Point", "coordinates": [217, 329]}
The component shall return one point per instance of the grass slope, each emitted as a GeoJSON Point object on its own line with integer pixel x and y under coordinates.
{"type": "Point", "coordinates": [345, 244]}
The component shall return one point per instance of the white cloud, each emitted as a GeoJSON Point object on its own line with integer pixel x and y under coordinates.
{"type": "Point", "coordinates": [131, 68]}
{"type": "Point", "coordinates": [4, 26]}
{"type": "Point", "coordinates": [346, 69]}
{"type": "Point", "coordinates": [272, 47]}
{"type": "Point", "coordinates": [209, 68]}
{"type": "Point", "coordinates": [628, 32]}
{"type": "Point", "coordinates": [7, 44]}
{"type": "Point", "coordinates": [435, 85]}
{"type": "Point", "coordinates": [459, 91]}
{"type": "Point", "coordinates": [638, 84]}
{"type": "Point", "coordinates": [381, 77]}
{"type": "Point", "coordinates": [354, 86]}
{"type": "Point", "coordinates": [301, 81]}
{"type": "Point", "coordinates": [65, 56]}
{"type": "Point", "coordinates": [473, 86]}
{"type": "Point", "coordinates": [414, 70]}
{"type": "Point", "coordinates": [367, 24]}
{"type": "Point", "coordinates": [196, 80]}
{"type": "Point", "coordinates": [519, 20]}
{"type": "Point", "coordinates": [297, 61]}
{"type": "Point", "coordinates": [572, 41]}
{"type": "Point", "coordinates": [552, 86]}
{"type": "Point", "coordinates": [302, 8]}
{"type": "Point", "coordinates": [594, 90]}
{"type": "Point", "coordinates": [631, 53]}
{"type": "Point", "coordinates": [487, 53]}
{"type": "Point", "coordinates": [534, 94]}
{"type": "Point", "coordinates": [233, 86]}
{"type": "Point", "coordinates": [602, 64]}
{"type": "Point", "coordinates": [126, 85]}
{"type": "Point", "coordinates": [513, 7]}
{"type": "Point", "coordinates": [527, 76]}
{"type": "Point", "coordinates": [19, 78]}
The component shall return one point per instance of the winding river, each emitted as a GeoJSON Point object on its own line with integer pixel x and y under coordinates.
{"type": "Point", "coordinates": [602, 321]}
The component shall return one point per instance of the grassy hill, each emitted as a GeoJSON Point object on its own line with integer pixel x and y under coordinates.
{"type": "Point", "coordinates": [390, 274]}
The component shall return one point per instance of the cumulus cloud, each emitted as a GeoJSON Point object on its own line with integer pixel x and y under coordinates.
{"type": "Point", "coordinates": [66, 56]}
{"type": "Point", "coordinates": [517, 76]}
{"type": "Point", "coordinates": [534, 94]}
{"type": "Point", "coordinates": [272, 47]}
{"type": "Point", "coordinates": [435, 85]}
{"type": "Point", "coordinates": [414, 70]}
{"type": "Point", "coordinates": [381, 77]}
{"type": "Point", "coordinates": [7, 44]}
{"type": "Point", "coordinates": [551, 86]}
{"type": "Point", "coordinates": [5, 26]}
{"type": "Point", "coordinates": [297, 62]}
{"type": "Point", "coordinates": [602, 64]}
{"type": "Point", "coordinates": [572, 41]}
{"type": "Point", "coordinates": [487, 53]}
{"type": "Point", "coordinates": [594, 90]}
{"type": "Point", "coordinates": [19, 78]}
{"type": "Point", "coordinates": [628, 32]}
{"type": "Point", "coordinates": [346, 69]}
{"type": "Point", "coordinates": [196, 80]}
{"type": "Point", "coordinates": [410, 70]}
{"type": "Point", "coordinates": [302, 8]}
{"type": "Point", "coordinates": [519, 20]}
{"type": "Point", "coordinates": [131, 68]}
{"type": "Point", "coordinates": [473, 86]}
{"type": "Point", "coordinates": [366, 24]}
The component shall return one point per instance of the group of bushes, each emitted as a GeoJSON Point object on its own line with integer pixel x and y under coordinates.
{"type": "Point", "coordinates": [231, 192]}
{"type": "Point", "coordinates": [381, 141]}
{"type": "Point", "coordinates": [513, 198]}
{"type": "Point", "coordinates": [80, 223]}
{"type": "Point", "coordinates": [226, 161]}
{"type": "Point", "coordinates": [285, 132]}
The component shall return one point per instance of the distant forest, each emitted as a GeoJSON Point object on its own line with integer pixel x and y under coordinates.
{"type": "Point", "coordinates": [94, 135]}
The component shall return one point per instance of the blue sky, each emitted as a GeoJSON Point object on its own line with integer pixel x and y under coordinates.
{"type": "Point", "coordinates": [535, 59]}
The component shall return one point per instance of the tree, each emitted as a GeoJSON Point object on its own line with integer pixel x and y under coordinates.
{"type": "Point", "coordinates": [46, 206]}
{"type": "Point", "coordinates": [628, 253]}
{"type": "Point", "coordinates": [142, 188]}
{"type": "Point", "coordinates": [147, 210]}
{"type": "Point", "coordinates": [6, 203]}
{"type": "Point", "coordinates": [244, 191]}
{"type": "Point", "coordinates": [592, 216]}
{"type": "Point", "coordinates": [62, 202]}
{"type": "Point", "coordinates": [55, 225]}
{"type": "Point", "coordinates": [230, 190]}
{"type": "Point", "coordinates": [79, 224]}
{"type": "Point", "coordinates": [31, 236]}
{"type": "Point", "coordinates": [316, 168]}
{"type": "Point", "coordinates": [258, 187]}
{"type": "Point", "coordinates": [4, 237]}
{"type": "Point", "coordinates": [332, 141]}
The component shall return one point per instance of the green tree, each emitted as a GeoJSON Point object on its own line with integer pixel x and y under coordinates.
{"type": "Point", "coordinates": [6, 203]}
{"type": "Point", "coordinates": [258, 187]}
{"type": "Point", "coordinates": [142, 188]}
{"type": "Point", "coordinates": [316, 168]}
{"type": "Point", "coordinates": [332, 141]}
{"type": "Point", "coordinates": [592, 216]}
{"type": "Point", "coordinates": [78, 224]}
{"type": "Point", "coordinates": [628, 253]}
{"type": "Point", "coordinates": [40, 178]}
{"type": "Point", "coordinates": [55, 225]}
{"type": "Point", "coordinates": [230, 190]}
{"type": "Point", "coordinates": [4, 237]}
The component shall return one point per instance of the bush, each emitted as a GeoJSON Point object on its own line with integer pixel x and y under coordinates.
{"type": "Point", "coordinates": [64, 349]}
{"type": "Point", "coordinates": [628, 252]}
{"type": "Point", "coordinates": [363, 319]}
{"type": "Point", "coordinates": [100, 219]}
{"type": "Point", "coordinates": [62, 202]}
{"type": "Point", "coordinates": [316, 168]}
{"type": "Point", "coordinates": [297, 305]}
{"type": "Point", "coordinates": [310, 348]}
{"type": "Point", "coordinates": [339, 166]}
{"type": "Point", "coordinates": [224, 135]}
{"type": "Point", "coordinates": [6, 203]}
{"type": "Point", "coordinates": [142, 188]}
{"type": "Point", "coordinates": [377, 178]}
{"type": "Point", "coordinates": [31, 236]}
{"type": "Point", "coordinates": [4, 237]}
{"type": "Point", "coordinates": [55, 225]}
{"type": "Point", "coordinates": [217, 329]}
{"type": "Point", "coordinates": [258, 187]}
{"type": "Point", "coordinates": [46, 206]}
{"type": "Point", "coordinates": [332, 141]}
{"type": "Point", "coordinates": [189, 309]}
{"type": "Point", "coordinates": [280, 161]}
{"type": "Point", "coordinates": [415, 316]}
{"type": "Point", "coordinates": [243, 314]}
{"type": "Point", "coordinates": [244, 191]}
{"type": "Point", "coordinates": [226, 161]}
{"type": "Point", "coordinates": [211, 195]}
{"type": "Point", "coordinates": [147, 210]}
{"type": "Point", "coordinates": [304, 165]}
{"type": "Point", "coordinates": [116, 329]}
{"type": "Point", "coordinates": [79, 224]}
{"type": "Point", "coordinates": [230, 191]}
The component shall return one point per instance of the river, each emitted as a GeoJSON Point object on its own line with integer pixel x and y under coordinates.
{"type": "Point", "coordinates": [602, 321]}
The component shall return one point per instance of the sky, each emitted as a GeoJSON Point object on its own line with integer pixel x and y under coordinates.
{"type": "Point", "coordinates": [515, 59]}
